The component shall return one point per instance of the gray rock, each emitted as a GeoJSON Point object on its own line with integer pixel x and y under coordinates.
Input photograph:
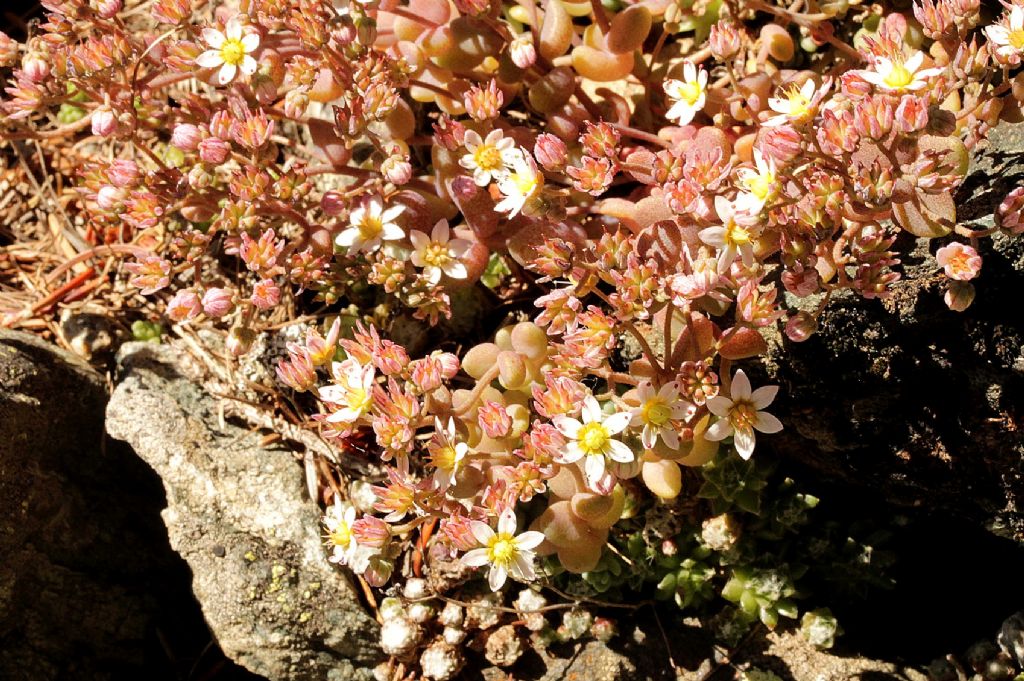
{"type": "Point", "coordinates": [238, 514]}
{"type": "Point", "coordinates": [86, 575]}
{"type": "Point", "coordinates": [1011, 637]}
{"type": "Point", "coordinates": [911, 401]}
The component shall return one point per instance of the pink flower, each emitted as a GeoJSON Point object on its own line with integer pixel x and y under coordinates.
{"type": "Point", "coordinates": [152, 273]}
{"type": "Point", "coordinates": [214, 150]}
{"type": "Point", "coordinates": [959, 261]}
{"type": "Point", "coordinates": [217, 302]}
{"type": "Point", "coordinates": [184, 306]}
{"type": "Point", "coordinates": [265, 294]}
{"type": "Point", "coordinates": [186, 137]}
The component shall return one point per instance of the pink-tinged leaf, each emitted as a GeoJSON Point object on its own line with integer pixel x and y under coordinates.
{"type": "Point", "coordinates": [696, 339]}
{"type": "Point", "coordinates": [664, 241]}
{"type": "Point", "coordinates": [529, 234]}
{"type": "Point", "coordinates": [926, 215]}
{"type": "Point", "coordinates": [744, 343]}
{"type": "Point", "coordinates": [328, 143]}
{"type": "Point", "coordinates": [640, 166]}
{"type": "Point", "coordinates": [476, 206]}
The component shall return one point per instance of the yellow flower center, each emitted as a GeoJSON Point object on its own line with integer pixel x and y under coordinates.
{"type": "Point", "coordinates": [436, 254]}
{"type": "Point", "coordinates": [1016, 39]}
{"type": "Point", "coordinates": [526, 183]}
{"type": "Point", "coordinates": [656, 412]}
{"type": "Point", "coordinates": [446, 458]}
{"type": "Point", "coordinates": [799, 106]}
{"type": "Point", "coordinates": [341, 536]}
{"type": "Point", "coordinates": [359, 399]}
{"type": "Point", "coordinates": [232, 51]}
{"type": "Point", "coordinates": [761, 186]}
{"type": "Point", "coordinates": [487, 157]}
{"type": "Point", "coordinates": [689, 92]}
{"type": "Point", "coordinates": [370, 226]}
{"type": "Point", "coordinates": [899, 77]}
{"type": "Point", "coordinates": [736, 234]}
{"type": "Point", "coordinates": [502, 549]}
{"type": "Point", "coordinates": [742, 415]}
{"type": "Point", "coordinates": [593, 437]}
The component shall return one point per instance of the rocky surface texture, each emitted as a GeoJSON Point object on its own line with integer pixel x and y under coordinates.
{"type": "Point", "coordinates": [239, 515]}
{"type": "Point", "coordinates": [908, 400]}
{"type": "Point", "coordinates": [88, 583]}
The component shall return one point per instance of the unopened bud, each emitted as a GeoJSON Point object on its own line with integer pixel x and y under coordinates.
{"type": "Point", "coordinates": [551, 152]}
{"type": "Point", "coordinates": [217, 302]}
{"type": "Point", "coordinates": [104, 122]}
{"type": "Point", "coordinates": [959, 295]}
{"type": "Point", "coordinates": [522, 51]}
{"type": "Point", "coordinates": [214, 150]}
{"type": "Point", "coordinates": [239, 341]}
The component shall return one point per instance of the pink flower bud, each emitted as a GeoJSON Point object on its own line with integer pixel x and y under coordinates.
{"type": "Point", "coordinates": [371, 531]}
{"type": "Point", "coordinates": [551, 152]}
{"type": "Point", "coordinates": [873, 117]}
{"type": "Point", "coordinates": [522, 51]}
{"type": "Point", "coordinates": [959, 295]}
{"type": "Point", "coordinates": [800, 327]}
{"type": "Point", "coordinates": [184, 306]}
{"type": "Point", "coordinates": [911, 114]}
{"type": "Point", "coordinates": [199, 177]}
{"type": "Point", "coordinates": [217, 302]}
{"type": "Point", "coordinates": [1010, 213]}
{"type": "Point", "coordinates": [110, 198]}
{"type": "Point", "coordinates": [853, 85]}
{"type": "Point", "coordinates": [449, 365]}
{"type": "Point", "coordinates": [724, 40]}
{"type": "Point", "coordinates": [104, 122]}
{"type": "Point", "coordinates": [295, 103]}
{"type": "Point", "coordinates": [780, 143]}
{"type": "Point", "coordinates": [123, 173]}
{"type": "Point", "coordinates": [801, 282]}
{"type": "Point", "coordinates": [35, 67]}
{"type": "Point", "coordinates": [186, 137]}
{"type": "Point", "coordinates": [960, 262]}
{"type": "Point", "coordinates": [239, 341]}
{"type": "Point", "coordinates": [297, 372]}
{"type": "Point", "coordinates": [332, 203]}
{"type": "Point", "coordinates": [214, 150]}
{"type": "Point", "coordinates": [396, 170]}
{"type": "Point", "coordinates": [108, 9]}
{"type": "Point", "coordinates": [220, 124]}
{"type": "Point", "coordinates": [265, 294]}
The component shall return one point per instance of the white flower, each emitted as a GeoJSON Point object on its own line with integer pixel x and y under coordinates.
{"type": "Point", "coordinates": [345, 550]}
{"type": "Point", "coordinates": [799, 105]}
{"type": "Point", "coordinates": [369, 224]}
{"type": "Point", "coordinates": [761, 185]}
{"type": "Point", "coordinates": [740, 415]}
{"type": "Point", "coordinates": [229, 50]}
{"type": "Point", "coordinates": [438, 254]}
{"type": "Point", "coordinates": [735, 236]}
{"type": "Point", "coordinates": [488, 158]}
{"type": "Point", "coordinates": [352, 393]}
{"type": "Point", "coordinates": [522, 183]}
{"type": "Point", "coordinates": [446, 455]}
{"type": "Point", "coordinates": [1007, 36]}
{"type": "Point", "coordinates": [656, 414]}
{"type": "Point", "coordinates": [592, 440]}
{"type": "Point", "coordinates": [505, 552]}
{"type": "Point", "coordinates": [899, 74]}
{"type": "Point", "coordinates": [687, 95]}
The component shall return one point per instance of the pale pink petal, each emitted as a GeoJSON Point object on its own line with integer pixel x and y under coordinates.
{"type": "Point", "coordinates": [720, 406]}
{"type": "Point", "coordinates": [419, 239]}
{"type": "Point", "coordinates": [719, 430]}
{"type": "Point", "coordinates": [213, 38]}
{"type": "Point", "coordinates": [764, 396]}
{"type": "Point", "coordinates": [507, 522]}
{"type": "Point", "coordinates": [740, 387]}
{"type": "Point", "coordinates": [743, 440]}
{"type": "Point", "coordinates": [455, 270]}
{"type": "Point", "coordinates": [670, 438]}
{"type": "Point", "coordinates": [392, 232]}
{"type": "Point", "coordinates": [475, 558]}
{"type": "Point", "coordinates": [440, 232]}
{"type": "Point", "coordinates": [767, 423]}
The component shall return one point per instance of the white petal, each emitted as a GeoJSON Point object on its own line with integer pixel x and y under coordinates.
{"type": "Point", "coordinates": [740, 386]}
{"type": "Point", "coordinates": [455, 270]}
{"type": "Point", "coordinates": [346, 237]}
{"type": "Point", "coordinates": [594, 468]}
{"type": "Point", "coordinates": [213, 38]}
{"type": "Point", "coordinates": [764, 396]}
{"type": "Point", "coordinates": [713, 236]}
{"type": "Point", "coordinates": [248, 65]}
{"type": "Point", "coordinates": [619, 452]}
{"type": "Point", "coordinates": [419, 240]}
{"type": "Point", "coordinates": [482, 531]}
{"type": "Point", "coordinates": [567, 426]}
{"type": "Point", "coordinates": [522, 566]}
{"type": "Point", "coordinates": [571, 454]}
{"type": "Point", "coordinates": [670, 438]}
{"type": "Point", "coordinates": [392, 232]}
{"type": "Point", "coordinates": [591, 409]}
{"type": "Point", "coordinates": [616, 423]}
{"type": "Point", "coordinates": [209, 59]}
{"type": "Point", "coordinates": [529, 540]}
{"type": "Point", "coordinates": [227, 73]}
{"type": "Point", "coordinates": [475, 558]}
{"type": "Point", "coordinates": [914, 63]}
{"type": "Point", "coordinates": [744, 442]}
{"type": "Point", "coordinates": [719, 430]}
{"type": "Point", "coordinates": [233, 29]}
{"type": "Point", "coordinates": [719, 406]}
{"type": "Point", "coordinates": [507, 522]}
{"type": "Point", "coordinates": [767, 423]}
{"type": "Point", "coordinates": [440, 232]}
{"type": "Point", "coordinates": [393, 212]}
{"type": "Point", "coordinates": [250, 42]}
{"type": "Point", "coordinates": [472, 139]}
{"type": "Point", "coordinates": [497, 576]}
